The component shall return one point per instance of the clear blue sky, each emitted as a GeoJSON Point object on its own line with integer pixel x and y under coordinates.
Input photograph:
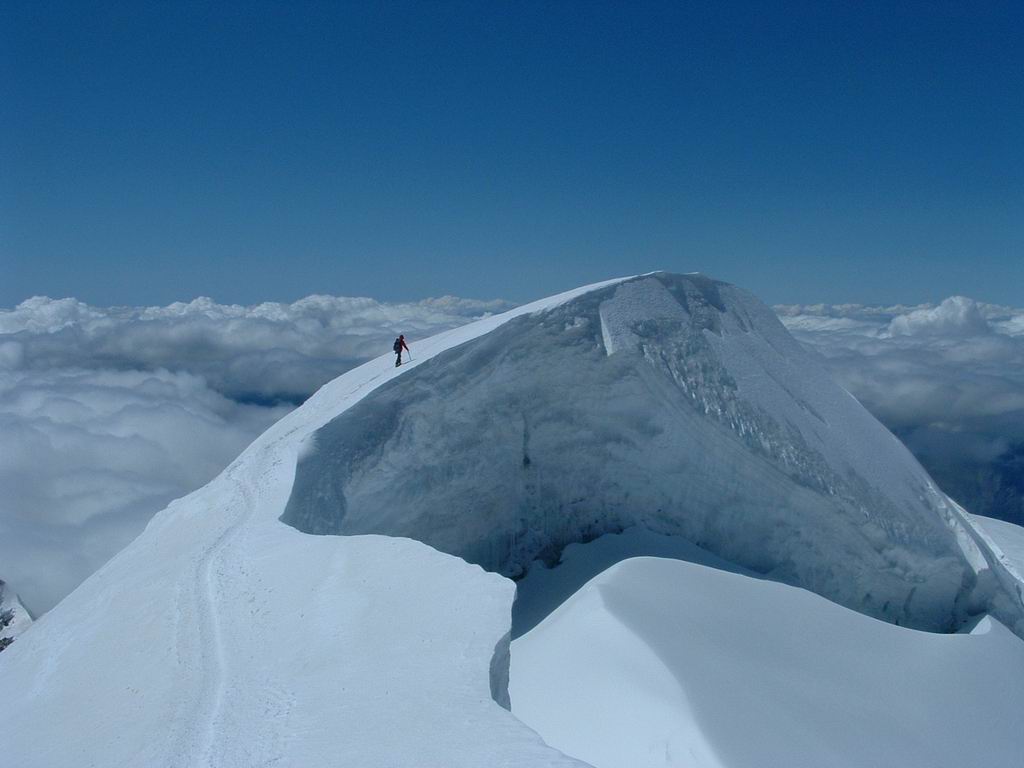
{"type": "Point", "coordinates": [836, 151]}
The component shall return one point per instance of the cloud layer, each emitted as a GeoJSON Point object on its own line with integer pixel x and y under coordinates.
{"type": "Point", "coordinates": [265, 352]}
{"type": "Point", "coordinates": [948, 379]}
{"type": "Point", "coordinates": [107, 414]}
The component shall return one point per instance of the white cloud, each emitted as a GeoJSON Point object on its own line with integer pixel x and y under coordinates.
{"type": "Point", "coordinates": [268, 351]}
{"type": "Point", "coordinates": [106, 414]}
{"type": "Point", "coordinates": [956, 317]}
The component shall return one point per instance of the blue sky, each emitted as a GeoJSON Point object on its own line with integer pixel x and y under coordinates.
{"type": "Point", "coordinates": [808, 151]}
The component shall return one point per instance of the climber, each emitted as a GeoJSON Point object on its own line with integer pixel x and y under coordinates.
{"type": "Point", "coordinates": [399, 345]}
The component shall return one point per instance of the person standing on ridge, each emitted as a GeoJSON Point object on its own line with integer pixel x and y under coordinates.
{"type": "Point", "coordinates": [398, 347]}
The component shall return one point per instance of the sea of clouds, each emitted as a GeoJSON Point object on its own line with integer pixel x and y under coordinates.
{"type": "Point", "coordinates": [107, 414]}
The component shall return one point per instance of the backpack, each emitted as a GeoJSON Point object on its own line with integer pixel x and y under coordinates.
{"type": "Point", "coordinates": [397, 346]}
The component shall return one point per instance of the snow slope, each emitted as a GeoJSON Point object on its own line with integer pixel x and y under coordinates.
{"type": "Point", "coordinates": [222, 636]}
{"type": "Point", "coordinates": [667, 663]}
{"type": "Point", "coordinates": [1008, 537]}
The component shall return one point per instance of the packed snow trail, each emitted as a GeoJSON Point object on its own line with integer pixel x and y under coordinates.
{"type": "Point", "coordinates": [223, 637]}
{"type": "Point", "coordinates": [209, 714]}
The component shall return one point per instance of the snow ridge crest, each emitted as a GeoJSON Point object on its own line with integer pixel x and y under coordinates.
{"type": "Point", "coordinates": [673, 402]}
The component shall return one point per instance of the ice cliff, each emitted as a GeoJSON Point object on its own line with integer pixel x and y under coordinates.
{"type": "Point", "coordinates": [674, 402]}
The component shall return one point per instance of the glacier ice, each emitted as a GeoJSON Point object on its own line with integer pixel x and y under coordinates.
{"type": "Point", "coordinates": [677, 403]}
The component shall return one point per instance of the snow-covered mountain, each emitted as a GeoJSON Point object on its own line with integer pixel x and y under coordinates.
{"type": "Point", "coordinates": [676, 403]}
{"type": "Point", "coordinates": [675, 407]}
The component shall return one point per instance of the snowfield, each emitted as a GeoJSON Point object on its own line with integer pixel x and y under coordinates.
{"type": "Point", "coordinates": [673, 407]}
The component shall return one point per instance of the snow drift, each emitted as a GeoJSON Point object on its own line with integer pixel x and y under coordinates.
{"type": "Point", "coordinates": [673, 402]}
{"type": "Point", "coordinates": [664, 663]}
